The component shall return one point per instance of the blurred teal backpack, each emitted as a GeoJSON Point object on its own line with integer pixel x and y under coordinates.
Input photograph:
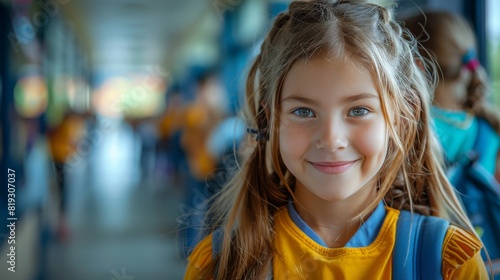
{"type": "Point", "coordinates": [479, 191]}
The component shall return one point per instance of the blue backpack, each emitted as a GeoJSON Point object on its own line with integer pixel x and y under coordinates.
{"type": "Point", "coordinates": [417, 252]}
{"type": "Point", "coordinates": [479, 191]}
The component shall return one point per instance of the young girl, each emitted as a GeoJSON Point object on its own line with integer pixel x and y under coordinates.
{"type": "Point", "coordinates": [460, 96]}
{"type": "Point", "coordinates": [461, 113]}
{"type": "Point", "coordinates": [343, 143]}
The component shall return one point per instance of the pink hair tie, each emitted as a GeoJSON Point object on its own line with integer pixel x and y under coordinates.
{"type": "Point", "coordinates": [472, 64]}
{"type": "Point", "coordinates": [469, 60]}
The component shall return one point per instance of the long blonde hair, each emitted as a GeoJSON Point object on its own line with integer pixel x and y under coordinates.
{"type": "Point", "coordinates": [446, 37]}
{"type": "Point", "coordinates": [411, 176]}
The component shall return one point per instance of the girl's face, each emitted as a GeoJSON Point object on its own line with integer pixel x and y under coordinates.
{"type": "Point", "coordinates": [333, 135]}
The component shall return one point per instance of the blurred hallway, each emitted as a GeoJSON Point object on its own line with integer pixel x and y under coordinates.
{"type": "Point", "coordinates": [170, 75]}
{"type": "Point", "coordinates": [121, 227]}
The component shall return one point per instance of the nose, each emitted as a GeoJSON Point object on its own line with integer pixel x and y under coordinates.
{"type": "Point", "coordinates": [332, 135]}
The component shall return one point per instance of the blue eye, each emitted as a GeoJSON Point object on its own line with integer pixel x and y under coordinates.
{"type": "Point", "coordinates": [303, 112]}
{"type": "Point", "coordinates": [358, 112]}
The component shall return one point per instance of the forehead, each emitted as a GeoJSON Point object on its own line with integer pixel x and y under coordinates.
{"type": "Point", "coordinates": [321, 77]}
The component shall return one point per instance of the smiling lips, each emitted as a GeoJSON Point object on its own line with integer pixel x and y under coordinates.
{"type": "Point", "coordinates": [336, 167]}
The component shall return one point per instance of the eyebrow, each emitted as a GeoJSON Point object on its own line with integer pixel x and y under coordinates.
{"type": "Point", "coordinates": [351, 98]}
{"type": "Point", "coordinates": [300, 99]}
{"type": "Point", "coordinates": [364, 95]}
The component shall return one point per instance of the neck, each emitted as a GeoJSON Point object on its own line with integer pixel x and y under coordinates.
{"type": "Point", "coordinates": [449, 96]}
{"type": "Point", "coordinates": [335, 221]}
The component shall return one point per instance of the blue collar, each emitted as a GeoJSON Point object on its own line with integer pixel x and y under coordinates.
{"type": "Point", "coordinates": [365, 235]}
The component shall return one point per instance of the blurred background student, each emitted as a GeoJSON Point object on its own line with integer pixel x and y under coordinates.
{"type": "Point", "coordinates": [63, 140]}
{"type": "Point", "coordinates": [463, 116]}
{"type": "Point", "coordinates": [462, 94]}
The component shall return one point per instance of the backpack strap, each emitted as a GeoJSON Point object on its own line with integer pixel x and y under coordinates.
{"type": "Point", "coordinates": [216, 242]}
{"type": "Point", "coordinates": [482, 137]}
{"type": "Point", "coordinates": [481, 144]}
{"type": "Point", "coordinates": [216, 245]}
{"type": "Point", "coordinates": [470, 167]}
{"type": "Point", "coordinates": [418, 249]}
{"type": "Point", "coordinates": [479, 148]}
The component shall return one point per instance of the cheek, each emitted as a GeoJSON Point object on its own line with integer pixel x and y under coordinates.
{"type": "Point", "coordinates": [286, 139]}
{"type": "Point", "coordinates": [292, 141]}
{"type": "Point", "coordinates": [374, 142]}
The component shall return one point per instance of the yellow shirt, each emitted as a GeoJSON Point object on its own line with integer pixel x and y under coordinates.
{"type": "Point", "coordinates": [297, 256]}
